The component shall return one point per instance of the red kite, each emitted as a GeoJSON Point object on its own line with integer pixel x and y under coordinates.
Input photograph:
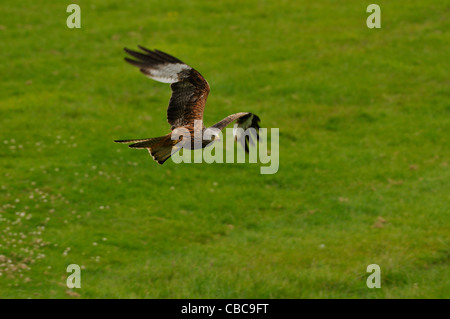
{"type": "Point", "coordinates": [187, 103]}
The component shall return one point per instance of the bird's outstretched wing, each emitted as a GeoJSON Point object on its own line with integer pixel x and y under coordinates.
{"type": "Point", "coordinates": [244, 120]}
{"type": "Point", "coordinates": [189, 88]}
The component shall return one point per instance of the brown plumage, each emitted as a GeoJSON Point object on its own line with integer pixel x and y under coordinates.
{"type": "Point", "coordinates": [187, 103]}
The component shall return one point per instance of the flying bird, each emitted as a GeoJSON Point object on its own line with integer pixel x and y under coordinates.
{"type": "Point", "coordinates": [187, 103]}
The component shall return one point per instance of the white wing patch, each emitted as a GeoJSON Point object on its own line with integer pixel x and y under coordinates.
{"type": "Point", "coordinates": [166, 73]}
{"type": "Point", "coordinates": [243, 131]}
{"type": "Point", "coordinates": [245, 125]}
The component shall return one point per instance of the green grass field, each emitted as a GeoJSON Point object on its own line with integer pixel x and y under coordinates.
{"type": "Point", "coordinates": [364, 151]}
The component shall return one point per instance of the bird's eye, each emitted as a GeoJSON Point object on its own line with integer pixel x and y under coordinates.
{"type": "Point", "coordinates": [180, 138]}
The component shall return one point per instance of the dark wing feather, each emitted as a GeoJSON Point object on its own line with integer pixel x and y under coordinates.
{"type": "Point", "coordinates": [243, 120]}
{"type": "Point", "coordinates": [189, 88]}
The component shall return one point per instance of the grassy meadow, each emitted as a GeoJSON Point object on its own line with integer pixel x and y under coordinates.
{"type": "Point", "coordinates": [364, 151]}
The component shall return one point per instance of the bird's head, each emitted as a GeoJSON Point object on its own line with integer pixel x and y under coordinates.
{"type": "Point", "coordinates": [211, 134]}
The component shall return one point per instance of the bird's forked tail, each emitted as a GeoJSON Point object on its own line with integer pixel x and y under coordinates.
{"type": "Point", "coordinates": [160, 148]}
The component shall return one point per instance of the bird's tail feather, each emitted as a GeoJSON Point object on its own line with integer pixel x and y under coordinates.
{"type": "Point", "coordinates": [132, 141]}
{"type": "Point", "coordinates": [160, 148]}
